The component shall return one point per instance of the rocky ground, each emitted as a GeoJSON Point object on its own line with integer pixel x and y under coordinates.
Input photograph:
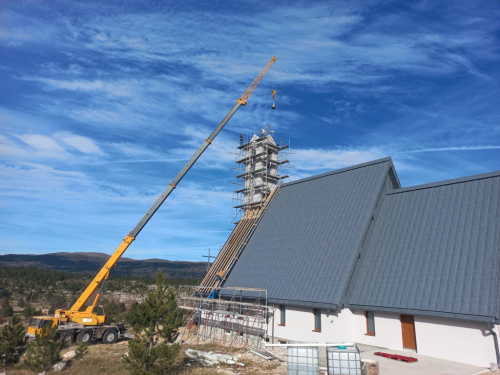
{"type": "Point", "coordinates": [107, 359]}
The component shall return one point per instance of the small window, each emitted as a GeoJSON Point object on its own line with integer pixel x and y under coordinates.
{"type": "Point", "coordinates": [35, 322]}
{"type": "Point", "coordinates": [46, 323]}
{"type": "Point", "coordinates": [99, 310]}
{"type": "Point", "coordinates": [370, 323]}
{"type": "Point", "coordinates": [317, 320]}
{"type": "Point", "coordinates": [282, 315]}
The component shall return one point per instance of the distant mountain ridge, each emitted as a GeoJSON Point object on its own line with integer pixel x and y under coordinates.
{"type": "Point", "coordinates": [90, 263]}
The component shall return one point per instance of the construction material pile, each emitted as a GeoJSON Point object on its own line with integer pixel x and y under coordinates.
{"type": "Point", "coordinates": [211, 358]}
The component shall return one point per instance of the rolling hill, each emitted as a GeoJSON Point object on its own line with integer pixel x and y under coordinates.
{"type": "Point", "coordinates": [90, 263]}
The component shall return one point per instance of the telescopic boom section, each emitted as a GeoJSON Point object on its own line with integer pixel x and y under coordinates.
{"type": "Point", "coordinates": [104, 272]}
{"type": "Point", "coordinates": [255, 83]}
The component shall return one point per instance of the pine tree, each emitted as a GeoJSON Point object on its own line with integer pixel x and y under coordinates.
{"type": "Point", "coordinates": [146, 358]}
{"type": "Point", "coordinates": [7, 309]}
{"type": "Point", "coordinates": [45, 350]}
{"type": "Point", "coordinates": [12, 342]}
{"type": "Point", "coordinates": [82, 350]}
{"type": "Point", "coordinates": [158, 316]}
{"type": "Point", "coordinates": [28, 311]}
{"type": "Point", "coordinates": [111, 309]}
{"type": "Point", "coordinates": [159, 312]}
{"type": "Point", "coordinates": [20, 303]}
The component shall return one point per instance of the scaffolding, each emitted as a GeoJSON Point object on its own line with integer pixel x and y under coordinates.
{"type": "Point", "coordinates": [239, 316]}
{"type": "Point", "coordinates": [233, 316]}
{"type": "Point", "coordinates": [262, 161]}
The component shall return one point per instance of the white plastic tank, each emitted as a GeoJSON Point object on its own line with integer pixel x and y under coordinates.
{"type": "Point", "coordinates": [343, 360]}
{"type": "Point", "coordinates": [302, 360]}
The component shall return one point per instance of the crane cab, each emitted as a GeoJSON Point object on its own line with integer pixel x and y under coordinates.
{"type": "Point", "coordinates": [37, 322]}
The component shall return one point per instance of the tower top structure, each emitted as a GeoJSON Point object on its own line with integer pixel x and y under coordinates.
{"type": "Point", "coordinates": [261, 164]}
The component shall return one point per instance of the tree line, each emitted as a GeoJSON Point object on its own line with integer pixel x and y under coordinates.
{"type": "Point", "coordinates": [155, 323]}
{"type": "Point", "coordinates": [54, 290]}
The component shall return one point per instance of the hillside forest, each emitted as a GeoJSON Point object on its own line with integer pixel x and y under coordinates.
{"type": "Point", "coordinates": [32, 291]}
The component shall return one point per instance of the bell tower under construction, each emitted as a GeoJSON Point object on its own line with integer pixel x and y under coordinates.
{"type": "Point", "coordinates": [261, 164]}
{"type": "Point", "coordinates": [240, 315]}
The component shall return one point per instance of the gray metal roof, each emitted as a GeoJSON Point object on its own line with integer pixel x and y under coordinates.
{"type": "Point", "coordinates": [305, 247]}
{"type": "Point", "coordinates": [435, 250]}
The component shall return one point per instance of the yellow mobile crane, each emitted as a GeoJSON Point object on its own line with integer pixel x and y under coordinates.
{"type": "Point", "coordinates": [87, 324]}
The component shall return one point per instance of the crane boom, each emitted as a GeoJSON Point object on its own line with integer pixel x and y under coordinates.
{"type": "Point", "coordinates": [104, 271]}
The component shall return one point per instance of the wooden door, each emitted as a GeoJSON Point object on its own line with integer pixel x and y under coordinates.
{"type": "Point", "coordinates": [408, 332]}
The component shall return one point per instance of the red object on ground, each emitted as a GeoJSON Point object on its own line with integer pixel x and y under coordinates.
{"type": "Point", "coordinates": [397, 357]}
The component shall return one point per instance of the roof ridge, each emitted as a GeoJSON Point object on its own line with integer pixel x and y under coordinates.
{"type": "Point", "coordinates": [453, 181]}
{"type": "Point", "coordinates": [347, 169]}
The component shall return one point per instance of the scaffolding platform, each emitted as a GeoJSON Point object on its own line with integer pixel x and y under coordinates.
{"type": "Point", "coordinates": [238, 316]}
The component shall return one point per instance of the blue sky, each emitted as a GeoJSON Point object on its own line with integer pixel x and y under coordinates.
{"type": "Point", "coordinates": [102, 103]}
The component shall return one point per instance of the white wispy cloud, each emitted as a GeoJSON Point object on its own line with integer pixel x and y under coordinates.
{"type": "Point", "coordinates": [45, 147]}
{"type": "Point", "coordinates": [31, 178]}
{"type": "Point", "coordinates": [59, 146]}
{"type": "Point", "coordinates": [82, 144]}
{"type": "Point", "coordinates": [456, 148]}
{"type": "Point", "coordinates": [193, 78]}
{"type": "Point", "coordinates": [323, 56]}
{"type": "Point", "coordinates": [321, 159]}
{"type": "Point", "coordinates": [10, 149]}
{"type": "Point", "coordinates": [116, 89]}
{"type": "Point", "coordinates": [114, 100]}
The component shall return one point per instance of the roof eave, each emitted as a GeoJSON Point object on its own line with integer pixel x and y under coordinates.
{"type": "Point", "coordinates": [439, 314]}
{"type": "Point", "coordinates": [310, 304]}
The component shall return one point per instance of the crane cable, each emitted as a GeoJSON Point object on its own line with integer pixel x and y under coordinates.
{"type": "Point", "coordinates": [273, 91]}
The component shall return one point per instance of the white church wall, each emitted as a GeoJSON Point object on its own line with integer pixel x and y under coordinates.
{"type": "Point", "coordinates": [450, 339]}
{"type": "Point", "coordinates": [335, 325]}
{"type": "Point", "coordinates": [387, 330]}
{"type": "Point", "coordinates": [455, 340]}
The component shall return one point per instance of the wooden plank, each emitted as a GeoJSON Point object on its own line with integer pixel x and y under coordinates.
{"type": "Point", "coordinates": [231, 248]}
{"type": "Point", "coordinates": [397, 357]}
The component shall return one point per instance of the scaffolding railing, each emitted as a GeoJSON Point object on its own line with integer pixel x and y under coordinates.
{"type": "Point", "coordinates": [234, 316]}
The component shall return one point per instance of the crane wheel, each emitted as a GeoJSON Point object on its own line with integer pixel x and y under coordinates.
{"type": "Point", "coordinates": [85, 337]}
{"type": "Point", "coordinates": [109, 337]}
{"type": "Point", "coordinates": [67, 339]}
